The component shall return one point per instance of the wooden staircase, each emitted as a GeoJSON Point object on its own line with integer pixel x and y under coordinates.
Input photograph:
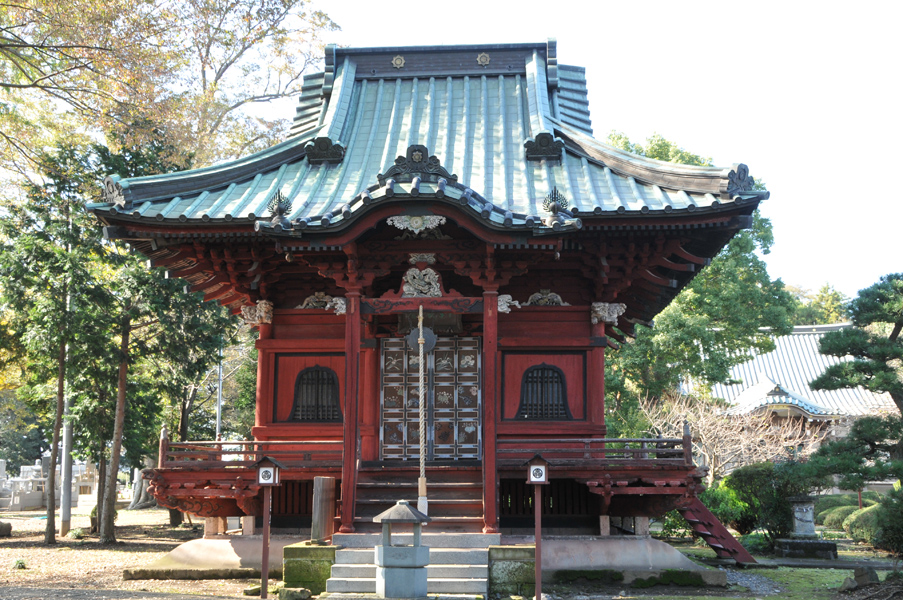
{"type": "Point", "coordinates": [714, 533]}
{"type": "Point", "coordinates": [455, 497]}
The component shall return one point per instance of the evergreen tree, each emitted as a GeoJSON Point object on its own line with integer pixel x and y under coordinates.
{"type": "Point", "coordinates": [715, 320]}
{"type": "Point", "coordinates": [874, 343]}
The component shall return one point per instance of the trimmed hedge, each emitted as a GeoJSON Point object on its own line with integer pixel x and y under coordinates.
{"type": "Point", "coordinates": [862, 525]}
{"type": "Point", "coordinates": [835, 517]}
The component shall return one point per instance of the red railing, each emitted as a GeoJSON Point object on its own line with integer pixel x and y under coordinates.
{"type": "Point", "coordinates": [243, 454]}
{"type": "Point", "coordinates": [598, 451]}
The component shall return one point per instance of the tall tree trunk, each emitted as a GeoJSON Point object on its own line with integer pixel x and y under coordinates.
{"type": "Point", "coordinates": [185, 408]}
{"type": "Point", "coordinates": [107, 532]}
{"type": "Point", "coordinates": [101, 486]}
{"type": "Point", "coordinates": [50, 528]}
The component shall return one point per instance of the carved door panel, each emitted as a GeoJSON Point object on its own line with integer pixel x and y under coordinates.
{"type": "Point", "coordinates": [453, 400]}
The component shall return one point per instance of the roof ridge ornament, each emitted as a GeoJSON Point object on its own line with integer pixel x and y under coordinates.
{"type": "Point", "coordinates": [112, 190]}
{"type": "Point", "coordinates": [324, 150]}
{"type": "Point", "coordinates": [416, 164]}
{"type": "Point", "coordinates": [739, 180]}
{"type": "Point", "coordinates": [544, 146]}
{"type": "Point", "coordinates": [279, 206]}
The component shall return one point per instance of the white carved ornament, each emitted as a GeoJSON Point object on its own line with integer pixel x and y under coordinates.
{"type": "Point", "coordinates": [421, 284]}
{"type": "Point", "coordinates": [607, 312]}
{"type": "Point", "coordinates": [506, 302]}
{"type": "Point", "coordinates": [338, 304]}
{"type": "Point", "coordinates": [416, 223]}
{"type": "Point", "coordinates": [260, 314]}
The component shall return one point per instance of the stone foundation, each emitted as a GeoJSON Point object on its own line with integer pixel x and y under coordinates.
{"type": "Point", "coordinates": [800, 548]}
{"type": "Point", "coordinates": [307, 565]}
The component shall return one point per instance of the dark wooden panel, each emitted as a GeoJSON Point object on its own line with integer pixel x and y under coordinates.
{"type": "Point", "coordinates": [287, 366]}
{"type": "Point", "coordinates": [572, 364]}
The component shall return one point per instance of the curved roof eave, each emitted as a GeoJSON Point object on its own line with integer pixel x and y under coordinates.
{"type": "Point", "coordinates": [689, 178]}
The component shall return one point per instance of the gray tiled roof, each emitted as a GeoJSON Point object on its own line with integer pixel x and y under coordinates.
{"type": "Point", "coordinates": [791, 366]}
{"type": "Point", "coordinates": [474, 119]}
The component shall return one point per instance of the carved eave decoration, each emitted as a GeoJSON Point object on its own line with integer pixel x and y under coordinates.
{"type": "Point", "coordinates": [545, 298]}
{"type": "Point", "coordinates": [607, 312]}
{"type": "Point", "coordinates": [416, 223]}
{"type": "Point", "coordinates": [505, 302]}
{"type": "Point", "coordinates": [259, 314]}
{"type": "Point", "coordinates": [323, 301]}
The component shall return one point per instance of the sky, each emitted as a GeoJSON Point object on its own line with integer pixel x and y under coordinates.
{"type": "Point", "coordinates": [807, 94]}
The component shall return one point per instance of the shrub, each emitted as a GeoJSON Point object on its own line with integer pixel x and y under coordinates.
{"type": "Point", "coordinates": [674, 525]}
{"type": "Point", "coordinates": [836, 516]}
{"type": "Point", "coordinates": [825, 503]}
{"type": "Point", "coordinates": [727, 506]}
{"type": "Point", "coordinates": [19, 563]}
{"type": "Point", "coordinates": [76, 534]}
{"type": "Point", "coordinates": [766, 487]}
{"type": "Point", "coordinates": [890, 515]}
{"type": "Point", "coordinates": [862, 525]}
{"type": "Point", "coordinates": [755, 543]}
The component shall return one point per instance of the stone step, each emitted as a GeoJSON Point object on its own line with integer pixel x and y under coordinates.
{"type": "Point", "coordinates": [414, 485]}
{"type": "Point", "coordinates": [367, 585]}
{"type": "Point", "coordinates": [438, 556]}
{"type": "Point", "coordinates": [366, 571]}
{"type": "Point", "coordinates": [461, 524]}
{"type": "Point", "coordinates": [433, 540]}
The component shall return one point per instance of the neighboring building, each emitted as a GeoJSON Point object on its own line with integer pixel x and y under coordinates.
{"type": "Point", "coordinates": [778, 381]}
{"type": "Point", "coordinates": [523, 238]}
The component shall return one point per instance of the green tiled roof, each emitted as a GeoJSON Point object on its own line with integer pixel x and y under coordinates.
{"type": "Point", "coordinates": [475, 118]}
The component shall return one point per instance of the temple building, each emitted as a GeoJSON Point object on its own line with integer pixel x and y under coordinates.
{"type": "Point", "coordinates": [464, 180]}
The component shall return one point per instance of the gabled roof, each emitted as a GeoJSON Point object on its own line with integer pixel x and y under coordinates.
{"type": "Point", "coordinates": [505, 120]}
{"type": "Point", "coordinates": [767, 392]}
{"type": "Point", "coordinates": [783, 375]}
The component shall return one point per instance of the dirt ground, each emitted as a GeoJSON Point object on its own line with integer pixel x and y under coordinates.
{"type": "Point", "coordinates": [86, 566]}
{"type": "Point", "coordinates": [82, 569]}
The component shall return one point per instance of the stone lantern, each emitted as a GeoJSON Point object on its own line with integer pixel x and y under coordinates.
{"type": "Point", "coordinates": [401, 570]}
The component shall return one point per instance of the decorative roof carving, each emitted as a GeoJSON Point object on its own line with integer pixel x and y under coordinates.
{"type": "Point", "coordinates": [427, 258]}
{"type": "Point", "coordinates": [279, 206]}
{"type": "Point", "coordinates": [417, 163]}
{"type": "Point", "coordinates": [607, 312]}
{"type": "Point", "coordinates": [324, 150]}
{"type": "Point", "coordinates": [545, 298]}
{"type": "Point", "coordinates": [739, 180]}
{"type": "Point", "coordinates": [260, 314]}
{"type": "Point", "coordinates": [398, 61]}
{"type": "Point", "coordinates": [543, 147]}
{"type": "Point", "coordinates": [417, 223]}
{"type": "Point", "coordinates": [506, 302]}
{"type": "Point", "coordinates": [555, 201]}
{"type": "Point", "coordinates": [112, 190]}
{"type": "Point", "coordinates": [483, 59]}
{"type": "Point", "coordinates": [421, 284]}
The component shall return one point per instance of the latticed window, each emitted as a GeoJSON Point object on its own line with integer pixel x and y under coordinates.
{"type": "Point", "coordinates": [543, 394]}
{"type": "Point", "coordinates": [316, 396]}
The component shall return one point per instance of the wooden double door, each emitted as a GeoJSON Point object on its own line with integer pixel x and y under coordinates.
{"type": "Point", "coordinates": [453, 400]}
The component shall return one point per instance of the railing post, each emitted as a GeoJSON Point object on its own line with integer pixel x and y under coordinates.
{"type": "Point", "coordinates": [164, 447]}
{"type": "Point", "coordinates": [688, 444]}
